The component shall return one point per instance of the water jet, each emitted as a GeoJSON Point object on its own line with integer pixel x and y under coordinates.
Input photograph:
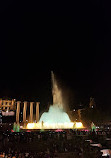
{"type": "Point", "coordinates": [56, 117]}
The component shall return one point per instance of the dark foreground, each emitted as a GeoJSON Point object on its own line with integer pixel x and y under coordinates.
{"type": "Point", "coordinates": [51, 144]}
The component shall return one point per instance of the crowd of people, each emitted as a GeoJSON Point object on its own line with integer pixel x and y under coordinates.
{"type": "Point", "coordinates": [52, 144]}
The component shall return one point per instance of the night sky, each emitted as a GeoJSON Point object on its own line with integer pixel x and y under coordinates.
{"type": "Point", "coordinates": [72, 39]}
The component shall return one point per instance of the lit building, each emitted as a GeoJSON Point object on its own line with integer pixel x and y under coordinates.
{"type": "Point", "coordinates": [7, 110]}
{"type": "Point", "coordinates": [7, 105]}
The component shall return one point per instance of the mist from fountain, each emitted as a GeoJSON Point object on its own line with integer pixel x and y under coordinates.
{"type": "Point", "coordinates": [56, 117]}
{"type": "Point", "coordinates": [56, 113]}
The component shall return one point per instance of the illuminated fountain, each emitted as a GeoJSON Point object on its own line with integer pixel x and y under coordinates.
{"type": "Point", "coordinates": [56, 117]}
{"type": "Point", "coordinates": [56, 112]}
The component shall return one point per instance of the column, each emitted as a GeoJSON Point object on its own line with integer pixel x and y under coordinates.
{"type": "Point", "coordinates": [8, 105]}
{"type": "Point", "coordinates": [12, 102]}
{"type": "Point", "coordinates": [3, 104]}
{"type": "Point", "coordinates": [0, 102]}
{"type": "Point", "coordinates": [24, 111]}
{"type": "Point", "coordinates": [37, 111]}
{"type": "Point", "coordinates": [17, 111]}
{"type": "Point", "coordinates": [31, 112]}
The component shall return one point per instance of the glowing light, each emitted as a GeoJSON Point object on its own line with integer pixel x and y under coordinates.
{"type": "Point", "coordinates": [12, 130]}
{"type": "Point", "coordinates": [78, 125]}
{"type": "Point", "coordinates": [30, 126]}
{"type": "Point", "coordinates": [58, 130]}
{"type": "Point", "coordinates": [55, 115]}
{"type": "Point", "coordinates": [98, 145]}
{"type": "Point", "coordinates": [66, 125]}
{"type": "Point", "coordinates": [106, 152]}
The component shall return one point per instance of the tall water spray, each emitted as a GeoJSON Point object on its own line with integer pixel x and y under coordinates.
{"type": "Point", "coordinates": [56, 117]}
{"type": "Point", "coordinates": [56, 113]}
{"type": "Point", "coordinates": [56, 93]}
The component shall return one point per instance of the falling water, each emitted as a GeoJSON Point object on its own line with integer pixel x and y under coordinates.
{"type": "Point", "coordinates": [56, 113]}
{"type": "Point", "coordinates": [56, 117]}
{"type": "Point", "coordinates": [56, 93]}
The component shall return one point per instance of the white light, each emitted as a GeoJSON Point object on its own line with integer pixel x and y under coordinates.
{"type": "Point", "coordinates": [47, 125]}
{"type": "Point", "coordinates": [30, 125]}
{"type": "Point", "coordinates": [98, 145]}
{"type": "Point", "coordinates": [106, 152]}
{"type": "Point", "coordinates": [78, 125]}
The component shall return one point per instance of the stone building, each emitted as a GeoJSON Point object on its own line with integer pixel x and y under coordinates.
{"type": "Point", "coordinates": [8, 105]}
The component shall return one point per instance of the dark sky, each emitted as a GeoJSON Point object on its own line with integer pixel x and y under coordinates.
{"type": "Point", "coordinates": [72, 39]}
